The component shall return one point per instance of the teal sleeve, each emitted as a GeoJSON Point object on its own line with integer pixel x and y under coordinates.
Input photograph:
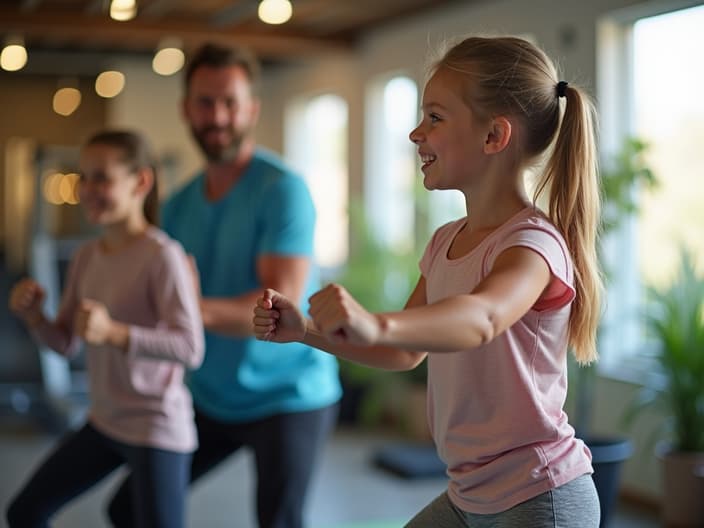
{"type": "Point", "coordinates": [288, 219]}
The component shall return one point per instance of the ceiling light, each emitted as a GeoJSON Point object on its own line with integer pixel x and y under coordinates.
{"type": "Point", "coordinates": [123, 10]}
{"type": "Point", "coordinates": [275, 11]}
{"type": "Point", "coordinates": [14, 54]}
{"type": "Point", "coordinates": [67, 98]}
{"type": "Point", "coordinates": [169, 58]}
{"type": "Point", "coordinates": [68, 188]}
{"type": "Point", "coordinates": [59, 188]}
{"type": "Point", "coordinates": [50, 187]}
{"type": "Point", "coordinates": [109, 83]}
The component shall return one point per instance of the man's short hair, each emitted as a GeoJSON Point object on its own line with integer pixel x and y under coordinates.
{"type": "Point", "coordinates": [217, 56]}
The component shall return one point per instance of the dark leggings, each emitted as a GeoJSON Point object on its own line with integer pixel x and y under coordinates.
{"type": "Point", "coordinates": [159, 480]}
{"type": "Point", "coordinates": [286, 447]}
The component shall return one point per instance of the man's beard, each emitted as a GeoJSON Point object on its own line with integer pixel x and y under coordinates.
{"type": "Point", "coordinates": [218, 153]}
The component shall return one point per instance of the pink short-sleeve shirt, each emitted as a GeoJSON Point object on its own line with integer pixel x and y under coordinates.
{"type": "Point", "coordinates": [495, 411]}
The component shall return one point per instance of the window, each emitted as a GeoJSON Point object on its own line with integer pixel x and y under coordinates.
{"type": "Point", "coordinates": [316, 146]}
{"type": "Point", "coordinates": [669, 115]}
{"type": "Point", "coordinates": [402, 213]}
{"type": "Point", "coordinates": [650, 66]}
{"type": "Point", "coordinates": [391, 172]}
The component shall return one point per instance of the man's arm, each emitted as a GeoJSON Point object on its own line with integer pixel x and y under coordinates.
{"type": "Point", "coordinates": [232, 316]}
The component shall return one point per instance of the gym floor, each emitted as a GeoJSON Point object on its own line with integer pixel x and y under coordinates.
{"type": "Point", "coordinates": [348, 491]}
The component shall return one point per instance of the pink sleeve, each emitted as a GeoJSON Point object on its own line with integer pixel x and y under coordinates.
{"type": "Point", "coordinates": [549, 245]}
{"type": "Point", "coordinates": [178, 336]}
{"type": "Point", "coordinates": [58, 334]}
{"type": "Point", "coordinates": [427, 257]}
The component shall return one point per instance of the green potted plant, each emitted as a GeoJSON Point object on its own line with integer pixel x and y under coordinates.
{"type": "Point", "coordinates": [381, 280]}
{"type": "Point", "coordinates": [617, 179]}
{"type": "Point", "coordinates": [675, 320]}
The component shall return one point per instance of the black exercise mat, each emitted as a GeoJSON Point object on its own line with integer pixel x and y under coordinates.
{"type": "Point", "coordinates": [410, 461]}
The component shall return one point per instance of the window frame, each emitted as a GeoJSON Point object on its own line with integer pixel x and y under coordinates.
{"type": "Point", "coordinates": [623, 348]}
{"type": "Point", "coordinates": [295, 146]}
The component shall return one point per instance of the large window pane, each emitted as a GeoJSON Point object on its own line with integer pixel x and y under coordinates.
{"type": "Point", "coordinates": [669, 115]}
{"type": "Point", "coordinates": [316, 145]}
{"type": "Point", "coordinates": [650, 90]}
{"type": "Point", "coordinates": [391, 161]}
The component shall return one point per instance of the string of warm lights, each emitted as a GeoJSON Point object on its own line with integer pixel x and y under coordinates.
{"type": "Point", "coordinates": [59, 188]}
{"type": "Point", "coordinates": [14, 55]}
{"type": "Point", "coordinates": [168, 59]}
{"type": "Point", "coordinates": [66, 100]}
{"type": "Point", "coordinates": [275, 11]}
{"type": "Point", "coordinates": [123, 10]}
{"type": "Point", "coordinates": [109, 83]}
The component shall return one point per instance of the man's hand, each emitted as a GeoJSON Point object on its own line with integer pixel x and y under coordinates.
{"type": "Point", "coordinates": [277, 319]}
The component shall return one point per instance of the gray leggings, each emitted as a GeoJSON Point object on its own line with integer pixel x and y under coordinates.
{"type": "Point", "coordinates": [572, 505]}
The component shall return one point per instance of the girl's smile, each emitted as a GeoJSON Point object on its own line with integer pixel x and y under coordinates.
{"type": "Point", "coordinates": [109, 187]}
{"type": "Point", "coordinates": [427, 159]}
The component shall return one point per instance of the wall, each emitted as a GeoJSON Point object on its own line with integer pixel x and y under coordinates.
{"type": "Point", "coordinates": [642, 472]}
{"type": "Point", "coordinates": [26, 110]}
{"type": "Point", "coordinates": [151, 103]}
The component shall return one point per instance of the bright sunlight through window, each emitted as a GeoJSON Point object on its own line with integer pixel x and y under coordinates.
{"type": "Point", "coordinates": [316, 146]}
{"type": "Point", "coordinates": [391, 168]}
{"type": "Point", "coordinates": [669, 115]}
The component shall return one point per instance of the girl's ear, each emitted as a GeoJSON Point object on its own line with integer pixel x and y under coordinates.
{"type": "Point", "coordinates": [499, 135]}
{"type": "Point", "coordinates": [145, 180]}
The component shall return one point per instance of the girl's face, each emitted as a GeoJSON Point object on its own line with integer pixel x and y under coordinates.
{"type": "Point", "coordinates": [450, 138]}
{"type": "Point", "coordinates": [109, 186]}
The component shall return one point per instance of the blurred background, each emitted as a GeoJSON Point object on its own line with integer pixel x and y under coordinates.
{"type": "Point", "coordinates": [341, 89]}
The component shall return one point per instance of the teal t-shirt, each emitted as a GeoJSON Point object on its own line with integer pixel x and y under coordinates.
{"type": "Point", "coordinates": [268, 211]}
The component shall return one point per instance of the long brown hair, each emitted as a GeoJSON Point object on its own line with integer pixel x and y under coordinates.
{"type": "Point", "coordinates": [138, 155]}
{"type": "Point", "coordinates": [511, 76]}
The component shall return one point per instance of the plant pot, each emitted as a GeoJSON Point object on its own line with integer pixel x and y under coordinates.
{"type": "Point", "coordinates": [350, 403]}
{"type": "Point", "coordinates": [608, 456]}
{"type": "Point", "coordinates": [683, 488]}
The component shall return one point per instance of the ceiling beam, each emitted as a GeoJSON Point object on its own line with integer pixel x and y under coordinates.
{"type": "Point", "coordinates": [159, 8]}
{"type": "Point", "coordinates": [95, 7]}
{"type": "Point", "coordinates": [234, 13]}
{"type": "Point", "coordinates": [141, 35]}
{"type": "Point", "coordinates": [29, 5]}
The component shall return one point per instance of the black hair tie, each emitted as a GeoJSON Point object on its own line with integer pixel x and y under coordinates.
{"type": "Point", "coordinates": [561, 88]}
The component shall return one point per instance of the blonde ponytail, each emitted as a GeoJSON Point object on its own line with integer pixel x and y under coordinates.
{"type": "Point", "coordinates": [574, 207]}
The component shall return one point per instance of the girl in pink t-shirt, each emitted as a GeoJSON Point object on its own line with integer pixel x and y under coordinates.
{"type": "Point", "coordinates": [503, 291]}
{"type": "Point", "coordinates": [131, 300]}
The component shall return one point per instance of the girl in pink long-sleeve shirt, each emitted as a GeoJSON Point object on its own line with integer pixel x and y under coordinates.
{"type": "Point", "coordinates": [503, 291]}
{"type": "Point", "coordinates": [131, 300]}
